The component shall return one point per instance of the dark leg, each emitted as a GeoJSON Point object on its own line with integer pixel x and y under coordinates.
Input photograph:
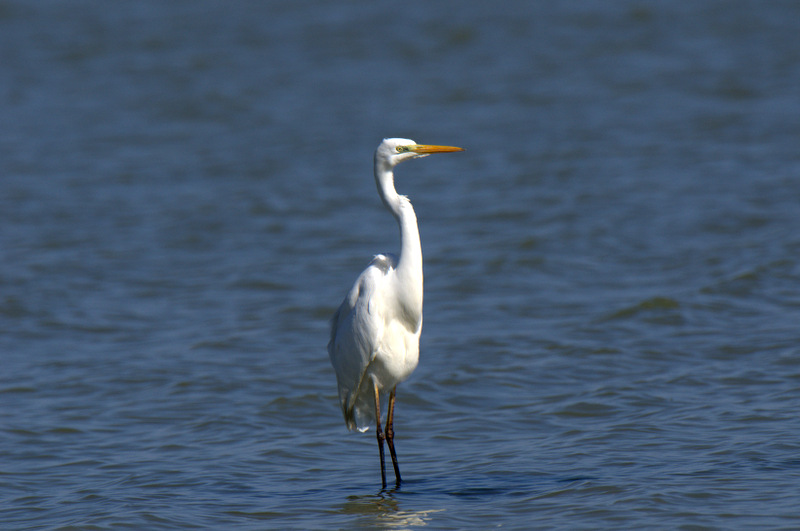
{"type": "Point", "coordinates": [390, 437]}
{"type": "Point", "coordinates": [381, 435]}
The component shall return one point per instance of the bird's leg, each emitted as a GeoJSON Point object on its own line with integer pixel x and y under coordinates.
{"type": "Point", "coordinates": [380, 433]}
{"type": "Point", "coordinates": [390, 436]}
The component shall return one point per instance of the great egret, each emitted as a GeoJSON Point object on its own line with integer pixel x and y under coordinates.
{"type": "Point", "coordinates": [375, 332]}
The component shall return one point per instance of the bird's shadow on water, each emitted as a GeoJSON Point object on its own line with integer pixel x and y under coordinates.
{"type": "Point", "coordinates": [509, 484]}
{"type": "Point", "coordinates": [401, 506]}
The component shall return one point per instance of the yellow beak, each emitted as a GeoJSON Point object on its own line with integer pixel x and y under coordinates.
{"type": "Point", "coordinates": [425, 149]}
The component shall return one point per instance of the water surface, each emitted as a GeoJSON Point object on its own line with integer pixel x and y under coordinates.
{"type": "Point", "coordinates": [611, 313]}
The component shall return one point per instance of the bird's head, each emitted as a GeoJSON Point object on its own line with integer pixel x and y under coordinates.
{"type": "Point", "coordinates": [393, 151]}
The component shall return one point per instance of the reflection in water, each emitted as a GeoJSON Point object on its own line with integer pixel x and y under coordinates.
{"type": "Point", "coordinates": [384, 510]}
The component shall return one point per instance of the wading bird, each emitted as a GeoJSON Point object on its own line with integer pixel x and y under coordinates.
{"type": "Point", "coordinates": [375, 332]}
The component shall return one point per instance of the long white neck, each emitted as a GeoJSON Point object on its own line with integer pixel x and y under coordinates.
{"type": "Point", "coordinates": [409, 263]}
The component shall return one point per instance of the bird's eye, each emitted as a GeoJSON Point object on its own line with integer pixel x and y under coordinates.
{"type": "Point", "coordinates": [401, 149]}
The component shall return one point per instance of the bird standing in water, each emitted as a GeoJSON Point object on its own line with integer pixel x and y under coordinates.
{"type": "Point", "coordinates": [375, 332]}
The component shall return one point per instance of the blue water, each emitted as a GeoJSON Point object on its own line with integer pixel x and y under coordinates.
{"type": "Point", "coordinates": [612, 312]}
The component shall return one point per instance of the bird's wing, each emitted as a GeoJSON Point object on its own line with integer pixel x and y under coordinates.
{"type": "Point", "coordinates": [356, 330]}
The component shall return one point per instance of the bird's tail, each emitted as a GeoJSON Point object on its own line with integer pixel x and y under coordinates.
{"type": "Point", "coordinates": [358, 413]}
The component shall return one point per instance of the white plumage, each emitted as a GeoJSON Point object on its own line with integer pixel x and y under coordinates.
{"type": "Point", "coordinates": [375, 332]}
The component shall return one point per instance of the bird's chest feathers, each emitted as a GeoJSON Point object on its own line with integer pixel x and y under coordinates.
{"type": "Point", "coordinates": [410, 317]}
{"type": "Point", "coordinates": [398, 305]}
{"type": "Point", "coordinates": [399, 310]}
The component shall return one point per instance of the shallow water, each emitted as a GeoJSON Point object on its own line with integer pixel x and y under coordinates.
{"type": "Point", "coordinates": [611, 313]}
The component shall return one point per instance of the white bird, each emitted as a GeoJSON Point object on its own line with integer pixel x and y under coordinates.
{"type": "Point", "coordinates": [375, 332]}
